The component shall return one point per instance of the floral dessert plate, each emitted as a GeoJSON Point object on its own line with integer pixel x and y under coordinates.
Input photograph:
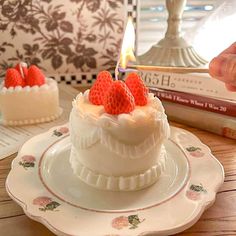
{"type": "Point", "coordinates": [41, 181]}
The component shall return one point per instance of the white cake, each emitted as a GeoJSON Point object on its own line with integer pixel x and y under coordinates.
{"type": "Point", "coordinates": [29, 105]}
{"type": "Point", "coordinates": [118, 152]}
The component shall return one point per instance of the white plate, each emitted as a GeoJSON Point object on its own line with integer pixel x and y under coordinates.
{"type": "Point", "coordinates": [42, 182]}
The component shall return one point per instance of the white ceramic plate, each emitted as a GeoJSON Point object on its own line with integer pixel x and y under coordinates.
{"type": "Point", "coordinates": [42, 183]}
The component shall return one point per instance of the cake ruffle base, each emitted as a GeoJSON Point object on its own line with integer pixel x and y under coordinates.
{"type": "Point", "coordinates": [118, 183]}
{"type": "Point", "coordinates": [32, 121]}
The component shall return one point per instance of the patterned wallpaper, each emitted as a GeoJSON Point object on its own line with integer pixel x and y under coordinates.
{"type": "Point", "coordinates": [63, 36]}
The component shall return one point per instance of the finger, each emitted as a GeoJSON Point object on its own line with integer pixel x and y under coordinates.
{"type": "Point", "coordinates": [223, 68]}
{"type": "Point", "coordinates": [215, 66]}
{"type": "Point", "coordinates": [216, 63]}
{"type": "Point", "coordinates": [229, 69]}
{"type": "Point", "coordinates": [230, 87]}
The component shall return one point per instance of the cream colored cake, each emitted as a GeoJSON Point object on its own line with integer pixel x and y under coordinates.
{"type": "Point", "coordinates": [118, 152]}
{"type": "Point", "coordinates": [29, 105]}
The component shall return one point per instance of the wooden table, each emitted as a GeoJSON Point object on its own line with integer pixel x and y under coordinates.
{"type": "Point", "coordinates": [220, 219]}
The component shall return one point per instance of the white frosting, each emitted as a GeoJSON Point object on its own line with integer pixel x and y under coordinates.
{"type": "Point", "coordinates": [117, 145]}
{"type": "Point", "coordinates": [29, 105]}
{"type": "Point", "coordinates": [49, 85]}
{"type": "Point", "coordinates": [142, 115]}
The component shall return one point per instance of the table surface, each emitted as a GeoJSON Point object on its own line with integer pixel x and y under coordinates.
{"type": "Point", "coordinates": [220, 219]}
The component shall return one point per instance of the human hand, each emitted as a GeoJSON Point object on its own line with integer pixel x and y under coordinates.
{"type": "Point", "coordinates": [223, 67]}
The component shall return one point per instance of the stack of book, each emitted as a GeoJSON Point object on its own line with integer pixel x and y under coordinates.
{"type": "Point", "coordinates": [196, 100]}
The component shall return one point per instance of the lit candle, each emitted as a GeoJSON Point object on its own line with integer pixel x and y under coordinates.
{"type": "Point", "coordinates": [127, 48]}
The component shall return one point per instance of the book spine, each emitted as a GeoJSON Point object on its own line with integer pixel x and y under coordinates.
{"type": "Point", "coordinates": [209, 121]}
{"type": "Point", "coordinates": [201, 84]}
{"type": "Point", "coordinates": [205, 103]}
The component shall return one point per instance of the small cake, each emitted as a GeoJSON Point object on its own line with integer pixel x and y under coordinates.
{"type": "Point", "coordinates": [27, 97]}
{"type": "Point", "coordinates": [117, 132]}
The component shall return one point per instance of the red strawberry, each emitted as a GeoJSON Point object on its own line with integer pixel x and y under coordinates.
{"type": "Point", "coordinates": [100, 87]}
{"type": "Point", "coordinates": [137, 88]}
{"type": "Point", "coordinates": [35, 76]}
{"type": "Point", "coordinates": [13, 78]}
{"type": "Point", "coordinates": [118, 99]}
{"type": "Point", "coordinates": [22, 69]}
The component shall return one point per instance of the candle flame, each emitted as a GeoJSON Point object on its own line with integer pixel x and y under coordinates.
{"type": "Point", "coordinates": [127, 48]}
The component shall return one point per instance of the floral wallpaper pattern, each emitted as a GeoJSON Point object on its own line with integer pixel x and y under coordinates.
{"type": "Point", "coordinates": [61, 36]}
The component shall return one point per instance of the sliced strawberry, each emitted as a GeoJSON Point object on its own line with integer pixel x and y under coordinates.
{"type": "Point", "coordinates": [35, 76]}
{"type": "Point", "coordinates": [100, 87]}
{"type": "Point", "coordinates": [118, 99]}
{"type": "Point", "coordinates": [22, 69]}
{"type": "Point", "coordinates": [137, 88]}
{"type": "Point", "coordinates": [13, 78]}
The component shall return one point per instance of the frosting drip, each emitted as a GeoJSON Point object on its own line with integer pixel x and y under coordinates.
{"type": "Point", "coordinates": [114, 145]}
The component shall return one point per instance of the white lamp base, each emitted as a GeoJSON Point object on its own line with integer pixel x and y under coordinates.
{"type": "Point", "coordinates": [172, 52]}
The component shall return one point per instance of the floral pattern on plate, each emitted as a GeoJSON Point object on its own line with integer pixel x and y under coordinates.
{"type": "Point", "coordinates": [45, 203]}
{"type": "Point", "coordinates": [61, 131]}
{"type": "Point", "coordinates": [194, 192]}
{"type": "Point", "coordinates": [131, 221]}
{"type": "Point", "coordinates": [27, 161]}
{"type": "Point", "coordinates": [195, 151]}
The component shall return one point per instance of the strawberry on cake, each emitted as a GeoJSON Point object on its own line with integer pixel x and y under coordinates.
{"type": "Point", "coordinates": [117, 133]}
{"type": "Point", "coordinates": [27, 97]}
